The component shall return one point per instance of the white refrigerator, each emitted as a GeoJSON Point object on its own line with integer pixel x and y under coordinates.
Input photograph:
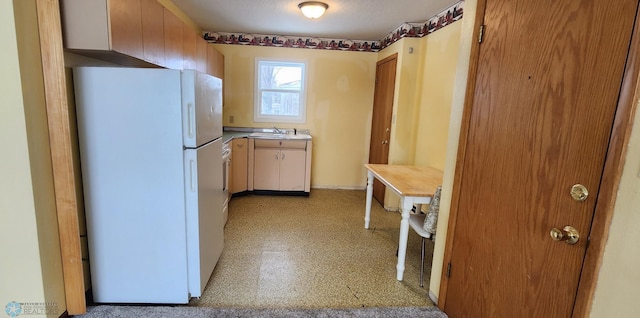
{"type": "Point", "coordinates": [151, 156]}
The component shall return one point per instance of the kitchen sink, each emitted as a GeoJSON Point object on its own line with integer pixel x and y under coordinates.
{"type": "Point", "coordinates": [269, 135]}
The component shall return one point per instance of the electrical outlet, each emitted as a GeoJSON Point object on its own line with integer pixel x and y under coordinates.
{"type": "Point", "coordinates": [231, 119]}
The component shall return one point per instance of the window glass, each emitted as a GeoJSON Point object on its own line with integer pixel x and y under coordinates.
{"type": "Point", "coordinates": [280, 91]}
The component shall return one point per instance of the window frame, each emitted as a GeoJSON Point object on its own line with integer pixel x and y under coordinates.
{"type": "Point", "coordinates": [301, 118]}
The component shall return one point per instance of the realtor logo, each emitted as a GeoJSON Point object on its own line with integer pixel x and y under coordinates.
{"type": "Point", "coordinates": [13, 309]}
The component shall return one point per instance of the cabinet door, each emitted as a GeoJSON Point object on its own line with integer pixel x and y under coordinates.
{"type": "Point", "coordinates": [240, 167]}
{"type": "Point", "coordinates": [126, 27]}
{"type": "Point", "coordinates": [292, 170]}
{"type": "Point", "coordinates": [201, 54]}
{"type": "Point", "coordinates": [215, 62]}
{"type": "Point", "coordinates": [172, 41]}
{"type": "Point", "coordinates": [153, 32]}
{"type": "Point", "coordinates": [266, 173]}
{"type": "Point", "coordinates": [189, 47]}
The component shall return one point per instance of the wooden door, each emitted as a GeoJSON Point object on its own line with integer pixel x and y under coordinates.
{"type": "Point", "coordinates": [381, 120]}
{"type": "Point", "coordinates": [546, 89]}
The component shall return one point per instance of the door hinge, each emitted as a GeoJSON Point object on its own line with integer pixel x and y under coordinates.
{"type": "Point", "coordinates": [449, 270]}
{"type": "Point", "coordinates": [481, 34]}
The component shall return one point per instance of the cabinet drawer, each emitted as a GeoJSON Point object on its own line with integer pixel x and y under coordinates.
{"type": "Point", "coordinates": [277, 143]}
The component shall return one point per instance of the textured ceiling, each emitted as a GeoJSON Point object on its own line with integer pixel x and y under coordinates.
{"type": "Point", "coordinates": [369, 20]}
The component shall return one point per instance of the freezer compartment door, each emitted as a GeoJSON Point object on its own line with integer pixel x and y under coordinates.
{"type": "Point", "coordinates": [201, 107]}
{"type": "Point", "coordinates": [205, 224]}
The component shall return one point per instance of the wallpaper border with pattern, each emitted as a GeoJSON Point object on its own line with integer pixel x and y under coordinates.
{"type": "Point", "coordinates": [407, 29]}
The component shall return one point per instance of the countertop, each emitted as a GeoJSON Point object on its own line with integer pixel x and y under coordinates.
{"type": "Point", "coordinates": [229, 133]}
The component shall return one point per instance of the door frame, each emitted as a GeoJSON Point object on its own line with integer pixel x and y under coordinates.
{"type": "Point", "coordinates": [64, 177]}
{"type": "Point", "coordinates": [614, 163]}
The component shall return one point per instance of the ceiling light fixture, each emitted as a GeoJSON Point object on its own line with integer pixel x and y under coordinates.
{"type": "Point", "coordinates": [313, 9]}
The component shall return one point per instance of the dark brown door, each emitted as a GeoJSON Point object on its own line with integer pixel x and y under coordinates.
{"type": "Point", "coordinates": [546, 90]}
{"type": "Point", "coordinates": [381, 121]}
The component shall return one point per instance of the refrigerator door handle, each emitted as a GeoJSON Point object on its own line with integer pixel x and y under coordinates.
{"type": "Point", "coordinates": [191, 114]}
{"type": "Point", "coordinates": [192, 173]}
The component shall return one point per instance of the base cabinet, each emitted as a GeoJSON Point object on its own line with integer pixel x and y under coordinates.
{"type": "Point", "coordinates": [280, 170]}
{"type": "Point", "coordinates": [281, 165]}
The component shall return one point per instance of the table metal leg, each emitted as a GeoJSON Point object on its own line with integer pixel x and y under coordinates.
{"type": "Point", "coordinates": [367, 211]}
{"type": "Point", "coordinates": [405, 209]}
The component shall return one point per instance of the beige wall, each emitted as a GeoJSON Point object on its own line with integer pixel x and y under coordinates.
{"type": "Point", "coordinates": [339, 106]}
{"type": "Point", "coordinates": [438, 75]}
{"type": "Point", "coordinates": [617, 288]}
{"type": "Point", "coordinates": [457, 106]}
{"type": "Point", "coordinates": [422, 100]}
{"type": "Point", "coordinates": [405, 99]}
{"type": "Point", "coordinates": [31, 265]}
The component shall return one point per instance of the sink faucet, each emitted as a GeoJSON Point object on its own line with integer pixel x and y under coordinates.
{"type": "Point", "coordinates": [278, 130]}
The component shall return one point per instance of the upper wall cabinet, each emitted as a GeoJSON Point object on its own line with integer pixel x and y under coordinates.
{"type": "Point", "coordinates": [110, 32]}
{"type": "Point", "coordinates": [141, 33]}
{"type": "Point", "coordinates": [189, 48]}
{"type": "Point", "coordinates": [152, 31]}
{"type": "Point", "coordinates": [215, 62]}
{"type": "Point", "coordinates": [201, 55]}
{"type": "Point", "coordinates": [194, 50]}
{"type": "Point", "coordinates": [173, 34]}
{"type": "Point", "coordinates": [126, 31]}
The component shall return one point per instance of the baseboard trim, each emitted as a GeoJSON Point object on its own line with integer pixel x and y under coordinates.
{"type": "Point", "coordinates": [433, 297]}
{"type": "Point", "coordinates": [332, 187]}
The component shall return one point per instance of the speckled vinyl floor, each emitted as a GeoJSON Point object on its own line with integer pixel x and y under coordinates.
{"type": "Point", "coordinates": [313, 252]}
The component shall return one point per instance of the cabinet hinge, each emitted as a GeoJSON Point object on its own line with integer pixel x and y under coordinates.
{"type": "Point", "coordinates": [449, 270]}
{"type": "Point", "coordinates": [481, 34]}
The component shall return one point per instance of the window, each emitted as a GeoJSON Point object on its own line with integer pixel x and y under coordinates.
{"type": "Point", "coordinates": [280, 92]}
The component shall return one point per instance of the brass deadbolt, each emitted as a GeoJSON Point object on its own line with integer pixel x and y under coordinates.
{"type": "Point", "coordinates": [579, 192]}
